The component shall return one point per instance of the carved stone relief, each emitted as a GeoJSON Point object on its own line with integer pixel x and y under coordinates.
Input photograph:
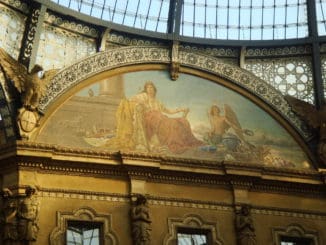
{"type": "Point", "coordinates": [244, 227]}
{"type": "Point", "coordinates": [19, 217]}
{"type": "Point", "coordinates": [140, 222]}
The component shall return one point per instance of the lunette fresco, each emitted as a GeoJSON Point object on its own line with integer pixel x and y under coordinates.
{"type": "Point", "coordinates": [192, 117]}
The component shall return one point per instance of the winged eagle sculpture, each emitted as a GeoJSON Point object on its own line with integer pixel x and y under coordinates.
{"type": "Point", "coordinates": [31, 85]}
{"type": "Point", "coordinates": [314, 118]}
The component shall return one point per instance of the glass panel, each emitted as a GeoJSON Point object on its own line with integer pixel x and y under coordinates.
{"type": "Point", "coordinates": [296, 241]}
{"type": "Point", "coordinates": [241, 15]}
{"type": "Point", "coordinates": [191, 239]}
{"type": "Point", "coordinates": [83, 234]}
{"type": "Point", "coordinates": [234, 15]}
{"type": "Point", "coordinates": [118, 10]}
{"type": "Point", "coordinates": [320, 15]}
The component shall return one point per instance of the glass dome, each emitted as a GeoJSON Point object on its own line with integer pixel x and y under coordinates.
{"type": "Point", "coordinates": [210, 19]}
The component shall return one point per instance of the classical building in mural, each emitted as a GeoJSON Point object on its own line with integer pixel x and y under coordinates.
{"type": "Point", "coordinates": [125, 128]}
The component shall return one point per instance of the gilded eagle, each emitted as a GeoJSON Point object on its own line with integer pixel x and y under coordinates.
{"type": "Point", "coordinates": [31, 85]}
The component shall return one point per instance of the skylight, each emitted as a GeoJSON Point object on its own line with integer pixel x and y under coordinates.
{"type": "Point", "coordinates": [211, 19]}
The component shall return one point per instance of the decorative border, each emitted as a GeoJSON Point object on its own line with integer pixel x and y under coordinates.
{"type": "Point", "coordinates": [279, 52]}
{"type": "Point", "coordinates": [191, 221]}
{"type": "Point", "coordinates": [86, 162]}
{"type": "Point", "coordinates": [82, 195]}
{"type": "Point", "coordinates": [103, 61]}
{"type": "Point", "coordinates": [17, 4]}
{"type": "Point", "coordinates": [284, 212]}
{"type": "Point", "coordinates": [123, 40]}
{"type": "Point", "coordinates": [57, 236]}
{"type": "Point", "coordinates": [55, 20]}
{"type": "Point", "coordinates": [217, 52]}
{"type": "Point", "coordinates": [176, 202]}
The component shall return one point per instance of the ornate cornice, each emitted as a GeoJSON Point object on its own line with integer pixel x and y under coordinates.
{"type": "Point", "coordinates": [48, 158]}
{"type": "Point", "coordinates": [123, 40]}
{"type": "Point", "coordinates": [216, 52]}
{"type": "Point", "coordinates": [119, 57]}
{"type": "Point", "coordinates": [54, 152]}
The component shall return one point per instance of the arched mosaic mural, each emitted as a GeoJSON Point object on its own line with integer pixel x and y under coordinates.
{"type": "Point", "coordinates": [193, 118]}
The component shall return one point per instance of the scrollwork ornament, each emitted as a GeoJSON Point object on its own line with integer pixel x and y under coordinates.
{"type": "Point", "coordinates": [73, 26]}
{"type": "Point", "coordinates": [18, 5]}
{"type": "Point", "coordinates": [30, 36]}
{"type": "Point", "coordinates": [292, 50]}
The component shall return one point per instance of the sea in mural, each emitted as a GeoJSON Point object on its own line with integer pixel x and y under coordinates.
{"type": "Point", "coordinates": [189, 118]}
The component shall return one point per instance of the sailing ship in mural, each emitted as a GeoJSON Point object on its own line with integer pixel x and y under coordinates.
{"type": "Point", "coordinates": [191, 118]}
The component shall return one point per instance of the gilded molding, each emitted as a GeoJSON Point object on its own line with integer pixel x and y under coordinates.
{"type": "Point", "coordinates": [103, 61]}
{"type": "Point", "coordinates": [52, 158]}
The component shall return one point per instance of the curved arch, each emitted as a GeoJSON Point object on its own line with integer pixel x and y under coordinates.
{"type": "Point", "coordinates": [126, 56]}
